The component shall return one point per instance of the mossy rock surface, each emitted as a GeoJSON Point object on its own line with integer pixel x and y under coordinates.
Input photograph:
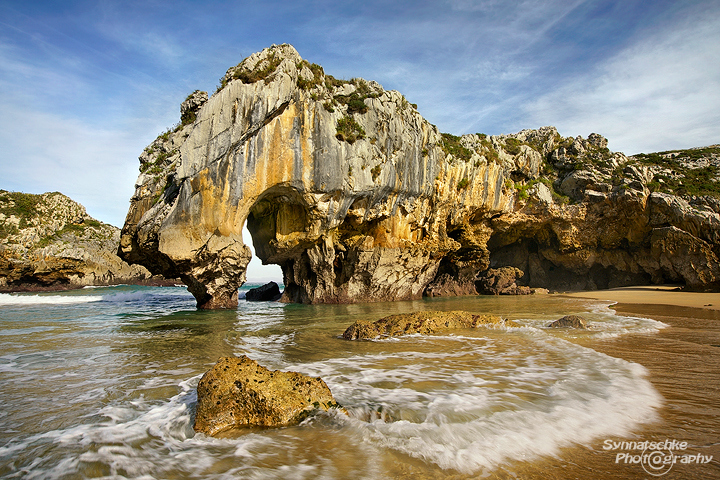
{"type": "Point", "coordinates": [238, 392]}
{"type": "Point", "coordinates": [424, 323]}
{"type": "Point", "coordinates": [570, 321]}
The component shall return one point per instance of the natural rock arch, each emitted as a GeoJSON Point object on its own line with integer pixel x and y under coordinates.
{"type": "Point", "coordinates": [358, 198]}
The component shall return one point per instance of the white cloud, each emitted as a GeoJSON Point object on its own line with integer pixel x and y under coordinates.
{"type": "Point", "coordinates": [45, 152]}
{"type": "Point", "coordinates": [661, 93]}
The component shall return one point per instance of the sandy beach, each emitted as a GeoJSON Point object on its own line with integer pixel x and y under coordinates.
{"type": "Point", "coordinates": [654, 295]}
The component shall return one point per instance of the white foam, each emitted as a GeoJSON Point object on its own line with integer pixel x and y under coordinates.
{"type": "Point", "coordinates": [25, 299]}
{"type": "Point", "coordinates": [521, 402]}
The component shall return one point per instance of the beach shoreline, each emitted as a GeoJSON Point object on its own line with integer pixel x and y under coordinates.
{"type": "Point", "coordinates": [669, 295]}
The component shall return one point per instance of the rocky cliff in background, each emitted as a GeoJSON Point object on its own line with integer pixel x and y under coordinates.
{"type": "Point", "coordinates": [358, 198]}
{"type": "Point", "coordinates": [49, 241]}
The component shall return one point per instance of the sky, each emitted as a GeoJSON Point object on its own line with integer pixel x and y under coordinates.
{"type": "Point", "coordinates": [86, 85]}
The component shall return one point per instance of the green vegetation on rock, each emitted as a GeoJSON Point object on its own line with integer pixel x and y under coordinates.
{"type": "Point", "coordinates": [451, 146]}
{"type": "Point", "coordinates": [685, 172]}
{"type": "Point", "coordinates": [348, 130]}
{"type": "Point", "coordinates": [262, 71]}
{"type": "Point", "coordinates": [21, 205]}
{"type": "Point", "coordinates": [318, 75]}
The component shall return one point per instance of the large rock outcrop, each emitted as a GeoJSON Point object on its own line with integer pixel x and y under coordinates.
{"type": "Point", "coordinates": [358, 198]}
{"type": "Point", "coordinates": [49, 241]}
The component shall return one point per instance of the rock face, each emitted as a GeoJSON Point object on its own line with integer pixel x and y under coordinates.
{"type": "Point", "coordinates": [49, 241]}
{"type": "Point", "coordinates": [424, 323]}
{"type": "Point", "coordinates": [569, 321]}
{"type": "Point", "coordinates": [266, 293]}
{"type": "Point", "coordinates": [237, 392]}
{"type": "Point", "coordinates": [358, 198]}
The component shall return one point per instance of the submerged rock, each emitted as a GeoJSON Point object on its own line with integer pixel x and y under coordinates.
{"type": "Point", "coordinates": [424, 323]}
{"type": "Point", "coordinates": [238, 392]}
{"type": "Point", "coordinates": [269, 292]}
{"type": "Point", "coordinates": [569, 321]}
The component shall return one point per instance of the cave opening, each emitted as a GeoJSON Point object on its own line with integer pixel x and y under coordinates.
{"type": "Point", "coordinates": [274, 231]}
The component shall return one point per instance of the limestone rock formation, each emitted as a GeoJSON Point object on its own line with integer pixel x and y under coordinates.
{"type": "Point", "coordinates": [237, 392]}
{"type": "Point", "coordinates": [424, 323]}
{"type": "Point", "coordinates": [49, 241]}
{"type": "Point", "coordinates": [502, 281]}
{"type": "Point", "coordinates": [569, 321]}
{"type": "Point", "coordinates": [358, 198]}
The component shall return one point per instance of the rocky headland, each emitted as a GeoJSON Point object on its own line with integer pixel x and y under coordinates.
{"type": "Point", "coordinates": [49, 242]}
{"type": "Point", "coordinates": [359, 198]}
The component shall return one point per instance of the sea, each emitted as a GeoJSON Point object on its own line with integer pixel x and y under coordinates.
{"type": "Point", "coordinates": [101, 383]}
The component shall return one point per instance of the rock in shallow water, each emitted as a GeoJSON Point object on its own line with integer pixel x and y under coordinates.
{"type": "Point", "coordinates": [238, 392]}
{"type": "Point", "coordinates": [269, 292]}
{"type": "Point", "coordinates": [569, 321]}
{"type": "Point", "coordinates": [423, 323]}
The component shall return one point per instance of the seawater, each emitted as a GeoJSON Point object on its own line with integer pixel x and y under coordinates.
{"type": "Point", "coordinates": [100, 383]}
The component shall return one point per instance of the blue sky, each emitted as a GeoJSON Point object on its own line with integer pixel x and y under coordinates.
{"type": "Point", "coordinates": [86, 85]}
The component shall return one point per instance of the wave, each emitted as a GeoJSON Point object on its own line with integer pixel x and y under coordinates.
{"type": "Point", "coordinates": [24, 299]}
{"type": "Point", "coordinates": [520, 401]}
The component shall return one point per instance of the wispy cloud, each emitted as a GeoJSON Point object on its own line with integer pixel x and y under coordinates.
{"type": "Point", "coordinates": [50, 153]}
{"type": "Point", "coordinates": [660, 93]}
{"type": "Point", "coordinates": [85, 85]}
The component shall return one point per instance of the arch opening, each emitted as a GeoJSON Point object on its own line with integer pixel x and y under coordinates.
{"type": "Point", "coordinates": [277, 226]}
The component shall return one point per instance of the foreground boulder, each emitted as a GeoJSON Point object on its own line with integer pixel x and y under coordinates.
{"type": "Point", "coordinates": [424, 323]}
{"type": "Point", "coordinates": [269, 292]}
{"type": "Point", "coordinates": [569, 321]}
{"type": "Point", "coordinates": [237, 392]}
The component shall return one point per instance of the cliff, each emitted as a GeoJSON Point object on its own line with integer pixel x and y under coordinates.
{"type": "Point", "coordinates": [358, 198]}
{"type": "Point", "coordinates": [49, 241]}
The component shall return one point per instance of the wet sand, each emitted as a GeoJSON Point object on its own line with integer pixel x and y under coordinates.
{"type": "Point", "coordinates": [683, 362]}
{"type": "Point", "coordinates": [654, 295]}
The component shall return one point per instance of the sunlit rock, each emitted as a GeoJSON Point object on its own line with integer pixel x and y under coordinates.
{"type": "Point", "coordinates": [424, 323]}
{"type": "Point", "coordinates": [358, 198]}
{"type": "Point", "coordinates": [569, 321]}
{"type": "Point", "coordinates": [238, 392]}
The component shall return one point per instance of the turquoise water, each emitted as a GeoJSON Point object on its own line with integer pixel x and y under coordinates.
{"type": "Point", "coordinates": [100, 383]}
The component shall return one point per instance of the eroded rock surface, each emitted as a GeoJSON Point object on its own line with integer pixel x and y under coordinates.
{"type": "Point", "coordinates": [424, 323]}
{"type": "Point", "coordinates": [358, 198]}
{"type": "Point", "coordinates": [238, 392]}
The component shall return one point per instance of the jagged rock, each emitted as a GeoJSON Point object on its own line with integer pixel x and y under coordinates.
{"type": "Point", "coordinates": [424, 323]}
{"type": "Point", "coordinates": [238, 392]}
{"type": "Point", "coordinates": [360, 221]}
{"type": "Point", "coordinates": [502, 281]}
{"type": "Point", "coordinates": [269, 292]}
{"type": "Point", "coordinates": [597, 140]}
{"type": "Point", "coordinates": [191, 105]}
{"type": "Point", "coordinates": [49, 241]}
{"type": "Point", "coordinates": [575, 184]}
{"type": "Point", "coordinates": [358, 198]}
{"type": "Point", "coordinates": [569, 321]}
